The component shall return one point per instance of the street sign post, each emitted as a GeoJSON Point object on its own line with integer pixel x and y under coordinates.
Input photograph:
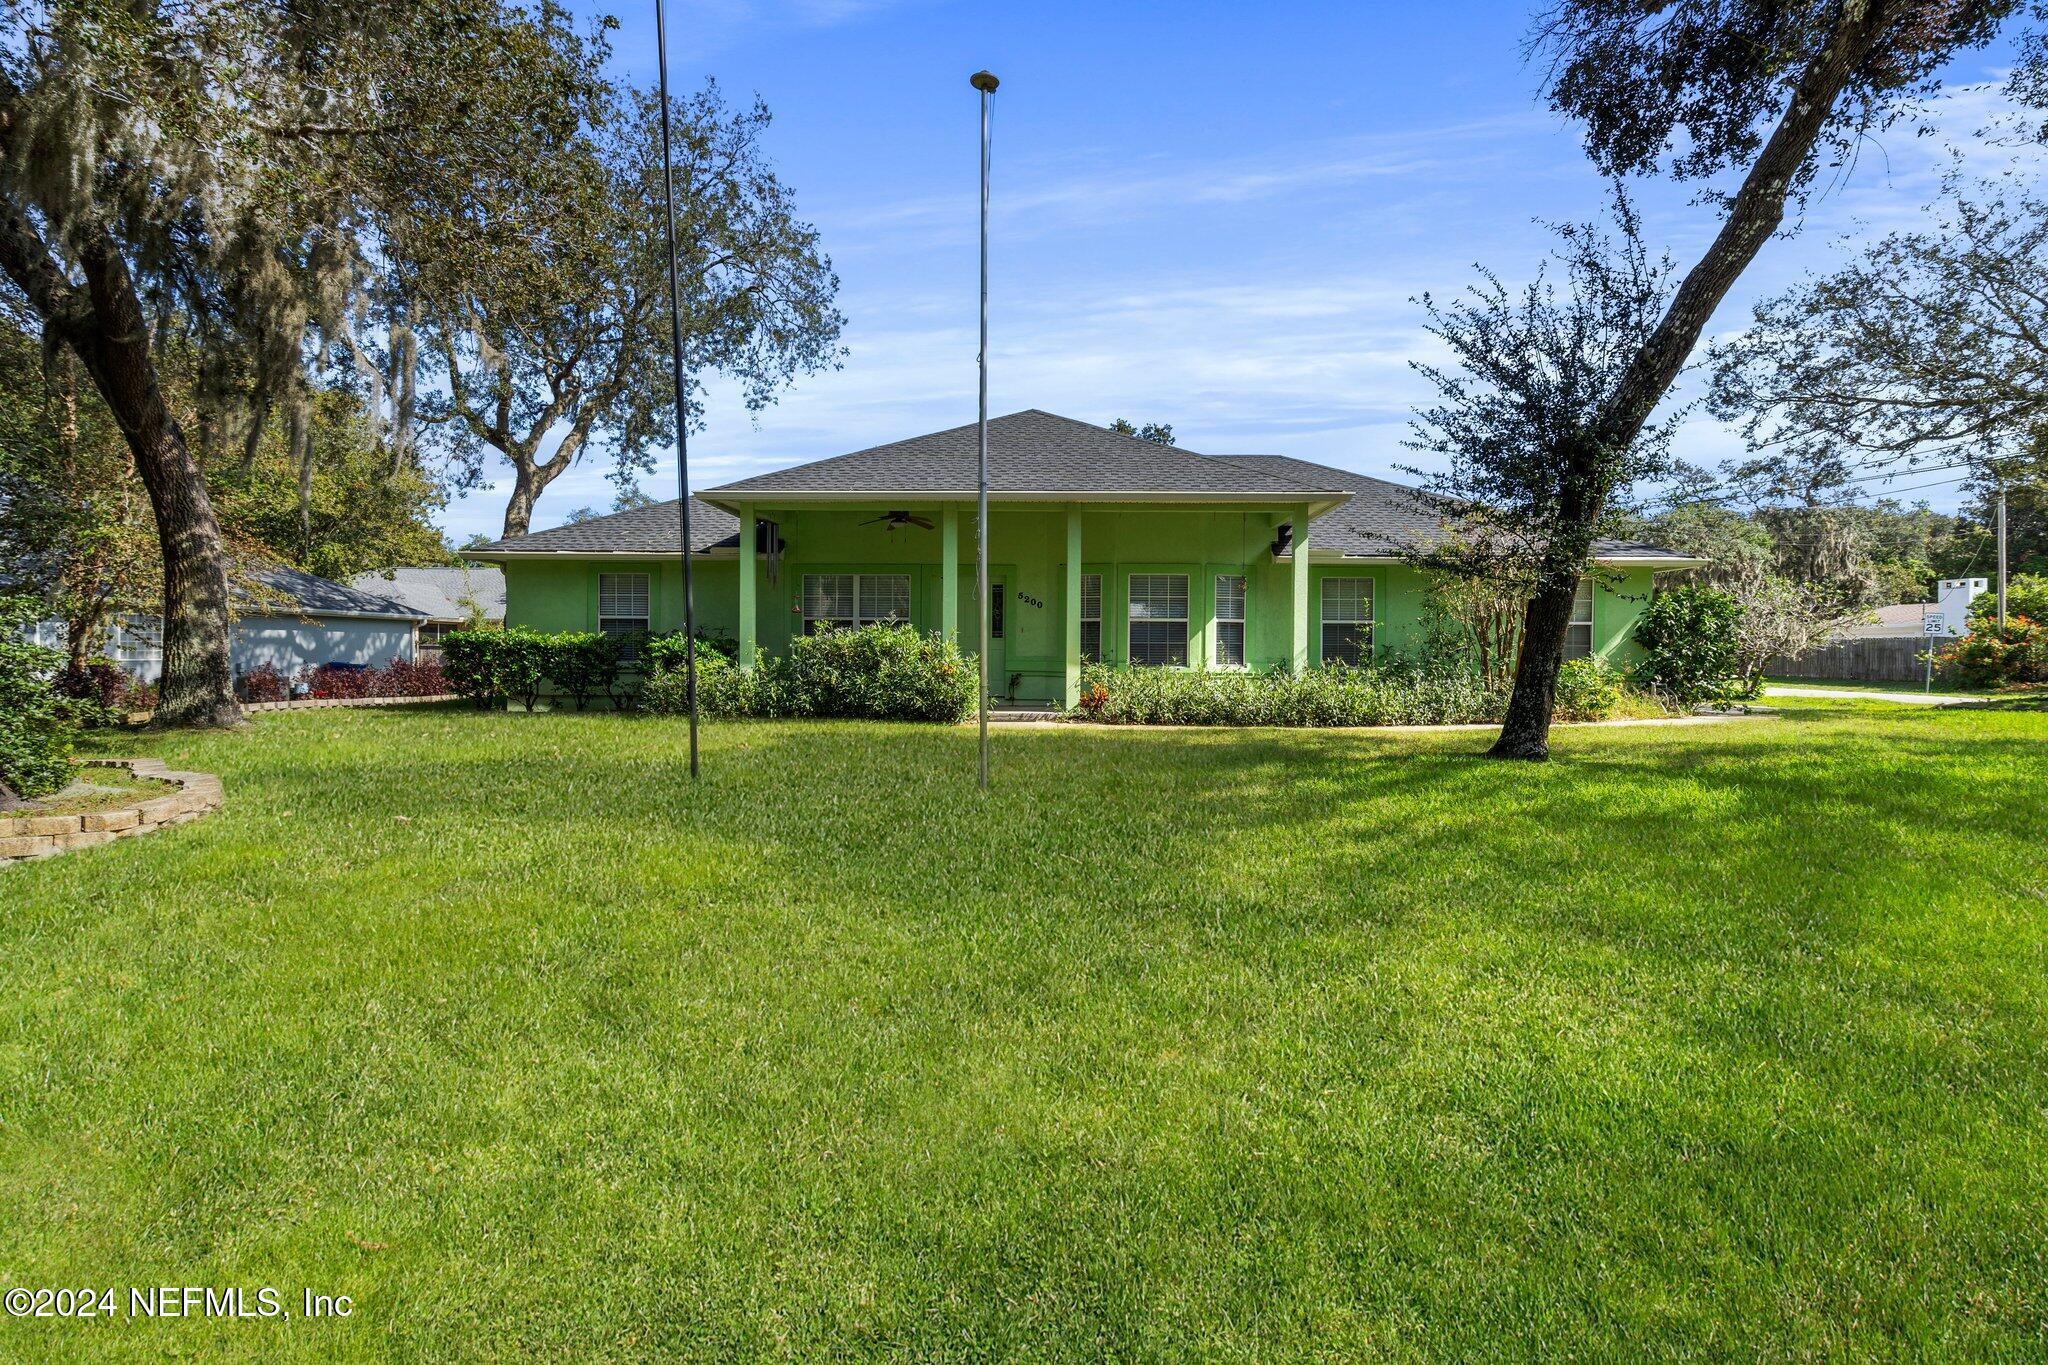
{"type": "Point", "coordinates": [1934, 623]}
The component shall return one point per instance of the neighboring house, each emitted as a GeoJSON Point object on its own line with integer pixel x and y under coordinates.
{"type": "Point", "coordinates": [1102, 546]}
{"type": "Point", "coordinates": [1893, 644]}
{"type": "Point", "coordinates": [289, 619]}
{"type": "Point", "coordinates": [449, 599]}
{"type": "Point", "coordinates": [1903, 621]}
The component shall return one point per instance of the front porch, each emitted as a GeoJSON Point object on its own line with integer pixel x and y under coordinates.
{"type": "Point", "coordinates": [1197, 588]}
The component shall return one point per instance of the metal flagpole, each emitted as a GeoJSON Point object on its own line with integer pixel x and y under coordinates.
{"type": "Point", "coordinates": [986, 84]}
{"type": "Point", "coordinates": [675, 329]}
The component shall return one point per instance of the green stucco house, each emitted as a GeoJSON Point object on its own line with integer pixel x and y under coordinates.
{"type": "Point", "coordinates": [1101, 546]}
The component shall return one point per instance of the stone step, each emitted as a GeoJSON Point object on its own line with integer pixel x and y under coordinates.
{"type": "Point", "coordinates": [1012, 712]}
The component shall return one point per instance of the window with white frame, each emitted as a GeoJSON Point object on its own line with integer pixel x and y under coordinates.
{"type": "Point", "coordinates": [1159, 618]}
{"type": "Point", "coordinates": [1091, 618]}
{"type": "Point", "coordinates": [1578, 637]}
{"type": "Point", "coordinates": [846, 600]}
{"type": "Point", "coordinates": [1347, 620]}
{"type": "Point", "coordinates": [1230, 620]}
{"type": "Point", "coordinates": [884, 598]}
{"type": "Point", "coordinates": [622, 603]}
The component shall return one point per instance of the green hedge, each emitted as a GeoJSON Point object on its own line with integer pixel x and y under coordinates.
{"type": "Point", "coordinates": [664, 652]}
{"type": "Point", "coordinates": [492, 667]}
{"type": "Point", "coordinates": [1321, 696]}
{"type": "Point", "coordinates": [1337, 695]}
{"type": "Point", "coordinates": [874, 673]}
{"type": "Point", "coordinates": [1588, 689]}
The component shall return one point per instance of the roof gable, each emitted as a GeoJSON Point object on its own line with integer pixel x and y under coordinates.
{"type": "Point", "coordinates": [1030, 452]}
{"type": "Point", "coordinates": [1385, 520]}
{"type": "Point", "coordinates": [439, 592]}
{"type": "Point", "coordinates": [651, 530]}
{"type": "Point", "coordinates": [282, 588]}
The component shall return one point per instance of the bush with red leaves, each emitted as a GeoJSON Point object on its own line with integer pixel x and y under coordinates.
{"type": "Point", "coordinates": [335, 682]}
{"type": "Point", "coordinates": [99, 681]}
{"type": "Point", "coordinates": [263, 683]}
{"type": "Point", "coordinates": [411, 678]}
{"type": "Point", "coordinates": [339, 682]}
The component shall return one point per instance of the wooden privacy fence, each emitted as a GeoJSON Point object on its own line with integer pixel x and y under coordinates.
{"type": "Point", "coordinates": [1893, 658]}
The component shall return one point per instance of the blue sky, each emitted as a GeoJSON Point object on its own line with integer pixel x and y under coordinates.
{"type": "Point", "coordinates": [1209, 215]}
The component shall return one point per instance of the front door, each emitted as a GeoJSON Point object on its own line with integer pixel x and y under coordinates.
{"type": "Point", "coordinates": [998, 679]}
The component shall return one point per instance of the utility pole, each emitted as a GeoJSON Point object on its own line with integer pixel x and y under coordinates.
{"type": "Point", "coordinates": [986, 84]}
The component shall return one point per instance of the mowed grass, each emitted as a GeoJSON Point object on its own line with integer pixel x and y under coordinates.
{"type": "Point", "coordinates": [1701, 1041]}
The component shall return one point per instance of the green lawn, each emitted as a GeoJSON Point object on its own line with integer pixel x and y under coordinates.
{"type": "Point", "coordinates": [1715, 1040]}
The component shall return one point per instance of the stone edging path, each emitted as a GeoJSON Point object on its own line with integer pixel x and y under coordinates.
{"type": "Point", "coordinates": [27, 836]}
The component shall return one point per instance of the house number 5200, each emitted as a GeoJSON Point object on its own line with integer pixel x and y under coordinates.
{"type": "Point", "coordinates": [1028, 600]}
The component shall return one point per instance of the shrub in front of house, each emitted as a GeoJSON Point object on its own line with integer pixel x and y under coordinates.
{"type": "Point", "coordinates": [1336, 695]}
{"type": "Point", "coordinates": [722, 689]}
{"type": "Point", "coordinates": [36, 727]}
{"type": "Point", "coordinates": [1690, 647]}
{"type": "Point", "coordinates": [663, 652]}
{"type": "Point", "coordinates": [491, 667]}
{"type": "Point", "coordinates": [584, 664]}
{"type": "Point", "coordinates": [873, 673]}
{"type": "Point", "coordinates": [1588, 689]}
{"type": "Point", "coordinates": [399, 678]}
{"type": "Point", "coordinates": [100, 692]}
{"type": "Point", "coordinates": [878, 673]}
{"type": "Point", "coordinates": [411, 678]}
{"type": "Point", "coordinates": [263, 683]}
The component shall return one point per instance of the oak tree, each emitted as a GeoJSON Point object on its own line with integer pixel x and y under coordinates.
{"type": "Point", "coordinates": [1763, 90]}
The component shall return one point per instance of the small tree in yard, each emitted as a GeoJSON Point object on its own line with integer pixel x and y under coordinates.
{"type": "Point", "coordinates": [1482, 598]}
{"type": "Point", "coordinates": [1534, 368]}
{"type": "Point", "coordinates": [1703, 87]}
{"type": "Point", "coordinates": [1690, 643]}
{"type": "Point", "coordinates": [1781, 618]}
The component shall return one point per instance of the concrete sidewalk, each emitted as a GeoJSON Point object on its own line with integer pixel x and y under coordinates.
{"type": "Point", "coordinates": [1857, 694]}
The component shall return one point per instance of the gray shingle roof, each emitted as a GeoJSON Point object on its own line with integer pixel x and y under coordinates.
{"type": "Point", "coordinates": [1028, 452]}
{"type": "Point", "coordinates": [651, 530]}
{"type": "Point", "coordinates": [1381, 518]}
{"type": "Point", "coordinates": [439, 593]}
{"type": "Point", "coordinates": [1385, 518]}
{"type": "Point", "coordinates": [1040, 452]}
{"type": "Point", "coordinates": [286, 590]}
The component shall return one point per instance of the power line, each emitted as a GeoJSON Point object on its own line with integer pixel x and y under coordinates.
{"type": "Point", "coordinates": [1723, 499]}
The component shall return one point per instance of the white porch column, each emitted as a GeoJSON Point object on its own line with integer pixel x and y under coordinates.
{"type": "Point", "coordinates": [1303, 655]}
{"type": "Point", "coordinates": [1071, 693]}
{"type": "Point", "coordinates": [949, 573]}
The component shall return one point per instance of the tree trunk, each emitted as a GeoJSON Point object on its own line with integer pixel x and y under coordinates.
{"type": "Point", "coordinates": [526, 489]}
{"type": "Point", "coordinates": [107, 329]}
{"type": "Point", "coordinates": [405, 364]}
{"type": "Point", "coordinates": [530, 477]}
{"type": "Point", "coordinates": [300, 441]}
{"type": "Point", "coordinates": [81, 630]}
{"type": "Point", "coordinates": [1526, 731]}
{"type": "Point", "coordinates": [1756, 212]}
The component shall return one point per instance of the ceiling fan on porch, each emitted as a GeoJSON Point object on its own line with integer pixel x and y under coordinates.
{"type": "Point", "coordinates": [900, 519]}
